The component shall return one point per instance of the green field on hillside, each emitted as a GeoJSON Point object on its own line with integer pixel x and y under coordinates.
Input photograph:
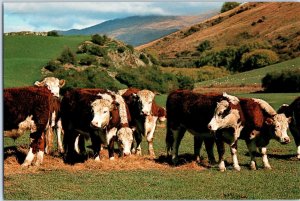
{"type": "Point", "coordinates": [251, 77]}
{"type": "Point", "coordinates": [24, 56]}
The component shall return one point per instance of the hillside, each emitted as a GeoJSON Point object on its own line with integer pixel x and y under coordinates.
{"type": "Point", "coordinates": [276, 25]}
{"type": "Point", "coordinates": [137, 30]}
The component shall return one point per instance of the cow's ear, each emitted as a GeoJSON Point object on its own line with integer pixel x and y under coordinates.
{"type": "Point", "coordinates": [290, 120]}
{"type": "Point", "coordinates": [39, 84]}
{"type": "Point", "coordinates": [269, 121]}
{"type": "Point", "coordinates": [61, 83]}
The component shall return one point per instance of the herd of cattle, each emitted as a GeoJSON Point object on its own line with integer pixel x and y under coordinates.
{"type": "Point", "coordinates": [128, 115]}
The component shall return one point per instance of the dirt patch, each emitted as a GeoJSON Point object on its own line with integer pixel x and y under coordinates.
{"type": "Point", "coordinates": [12, 163]}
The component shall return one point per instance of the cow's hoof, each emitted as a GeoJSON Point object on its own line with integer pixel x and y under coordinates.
{"type": "Point", "coordinates": [112, 158]}
{"type": "Point", "coordinates": [37, 163]}
{"type": "Point", "coordinates": [138, 152]}
{"type": "Point", "coordinates": [237, 168]}
{"type": "Point", "coordinates": [97, 159]}
{"type": "Point", "coordinates": [25, 164]}
{"type": "Point", "coordinates": [252, 165]}
{"type": "Point", "coordinates": [268, 167]}
{"type": "Point", "coordinates": [151, 153]}
{"type": "Point", "coordinates": [298, 156]}
{"type": "Point", "coordinates": [222, 169]}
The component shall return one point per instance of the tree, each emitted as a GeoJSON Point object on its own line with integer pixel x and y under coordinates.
{"type": "Point", "coordinates": [228, 6]}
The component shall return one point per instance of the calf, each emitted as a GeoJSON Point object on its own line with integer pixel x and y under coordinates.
{"type": "Point", "coordinates": [144, 113]}
{"type": "Point", "coordinates": [96, 114]}
{"type": "Point", "coordinates": [293, 111]}
{"type": "Point", "coordinates": [28, 109]}
{"type": "Point", "coordinates": [189, 111]}
{"type": "Point", "coordinates": [258, 123]}
{"type": "Point", "coordinates": [53, 84]}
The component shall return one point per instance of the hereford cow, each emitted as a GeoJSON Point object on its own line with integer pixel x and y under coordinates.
{"type": "Point", "coordinates": [98, 114]}
{"type": "Point", "coordinates": [144, 113]}
{"type": "Point", "coordinates": [53, 84]}
{"type": "Point", "coordinates": [189, 111]}
{"type": "Point", "coordinates": [293, 111]}
{"type": "Point", "coordinates": [28, 109]}
{"type": "Point", "coordinates": [252, 120]}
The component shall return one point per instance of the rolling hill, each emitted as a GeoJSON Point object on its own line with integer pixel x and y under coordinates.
{"type": "Point", "coordinates": [275, 24]}
{"type": "Point", "coordinates": [137, 30]}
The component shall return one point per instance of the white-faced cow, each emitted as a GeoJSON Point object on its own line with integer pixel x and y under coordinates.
{"type": "Point", "coordinates": [99, 115]}
{"type": "Point", "coordinates": [54, 85]}
{"type": "Point", "coordinates": [144, 113]}
{"type": "Point", "coordinates": [252, 120]}
{"type": "Point", "coordinates": [293, 111]}
{"type": "Point", "coordinates": [190, 111]}
{"type": "Point", "coordinates": [28, 109]}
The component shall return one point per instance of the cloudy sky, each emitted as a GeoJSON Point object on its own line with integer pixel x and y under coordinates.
{"type": "Point", "coordinates": [46, 16]}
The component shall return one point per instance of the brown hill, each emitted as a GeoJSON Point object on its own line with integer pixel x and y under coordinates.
{"type": "Point", "coordinates": [274, 23]}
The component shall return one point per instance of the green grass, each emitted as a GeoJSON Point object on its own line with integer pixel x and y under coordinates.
{"type": "Point", "coordinates": [253, 76]}
{"type": "Point", "coordinates": [24, 56]}
{"type": "Point", "coordinates": [282, 182]}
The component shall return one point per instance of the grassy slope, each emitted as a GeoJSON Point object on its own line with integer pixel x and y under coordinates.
{"type": "Point", "coordinates": [253, 76]}
{"type": "Point", "coordinates": [25, 55]}
{"type": "Point", "coordinates": [168, 183]}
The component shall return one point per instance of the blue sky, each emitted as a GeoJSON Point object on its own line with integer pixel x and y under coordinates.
{"type": "Point", "coordinates": [46, 16]}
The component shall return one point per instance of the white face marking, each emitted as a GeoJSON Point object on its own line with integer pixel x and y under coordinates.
{"type": "Point", "coordinates": [125, 139]}
{"type": "Point", "coordinates": [281, 124]}
{"type": "Point", "coordinates": [224, 117]}
{"type": "Point", "coordinates": [110, 134]}
{"type": "Point", "coordinates": [146, 98]}
{"type": "Point", "coordinates": [233, 99]}
{"type": "Point", "coordinates": [101, 109]}
{"type": "Point", "coordinates": [52, 83]}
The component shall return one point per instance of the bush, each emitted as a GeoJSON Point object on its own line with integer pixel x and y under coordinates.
{"type": "Point", "coordinates": [53, 65]}
{"type": "Point", "coordinates": [211, 72]}
{"type": "Point", "coordinates": [285, 81]}
{"type": "Point", "coordinates": [67, 56]}
{"type": "Point", "coordinates": [87, 60]}
{"type": "Point", "coordinates": [185, 82]}
{"type": "Point", "coordinates": [121, 49]}
{"type": "Point", "coordinates": [97, 51]}
{"type": "Point", "coordinates": [228, 6]}
{"type": "Point", "coordinates": [258, 58]}
{"type": "Point", "coordinates": [144, 59]}
{"type": "Point", "coordinates": [52, 33]}
{"type": "Point", "coordinates": [130, 47]}
{"type": "Point", "coordinates": [99, 40]}
{"type": "Point", "coordinates": [205, 45]}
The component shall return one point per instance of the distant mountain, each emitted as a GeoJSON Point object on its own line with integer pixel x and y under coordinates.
{"type": "Point", "coordinates": [138, 30]}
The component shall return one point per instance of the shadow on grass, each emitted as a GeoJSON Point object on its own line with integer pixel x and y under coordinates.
{"type": "Point", "coordinates": [13, 151]}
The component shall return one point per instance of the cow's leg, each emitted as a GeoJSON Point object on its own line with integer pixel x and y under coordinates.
{"type": "Point", "coordinates": [40, 151]}
{"type": "Point", "coordinates": [111, 149]}
{"type": "Point", "coordinates": [263, 151]}
{"type": "Point", "coordinates": [197, 147]}
{"type": "Point", "coordinates": [49, 140]}
{"type": "Point", "coordinates": [150, 137]}
{"type": "Point", "coordinates": [96, 146]}
{"type": "Point", "coordinates": [233, 149]}
{"type": "Point", "coordinates": [221, 151]}
{"type": "Point", "coordinates": [29, 158]}
{"type": "Point", "coordinates": [178, 135]}
{"type": "Point", "coordinates": [296, 134]}
{"type": "Point", "coordinates": [138, 139]}
{"type": "Point", "coordinates": [252, 150]}
{"type": "Point", "coordinates": [169, 141]}
{"type": "Point", "coordinates": [209, 145]}
{"type": "Point", "coordinates": [59, 133]}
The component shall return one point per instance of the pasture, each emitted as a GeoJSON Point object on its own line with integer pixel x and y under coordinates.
{"type": "Point", "coordinates": [141, 177]}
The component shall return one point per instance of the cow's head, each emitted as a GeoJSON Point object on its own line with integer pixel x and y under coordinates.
{"type": "Point", "coordinates": [224, 117]}
{"type": "Point", "coordinates": [144, 99]}
{"type": "Point", "coordinates": [101, 110]}
{"type": "Point", "coordinates": [52, 83]}
{"type": "Point", "coordinates": [125, 138]}
{"type": "Point", "coordinates": [279, 125]}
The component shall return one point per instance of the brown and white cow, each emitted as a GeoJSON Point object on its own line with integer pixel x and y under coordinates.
{"type": "Point", "coordinates": [54, 85]}
{"type": "Point", "coordinates": [93, 113]}
{"type": "Point", "coordinates": [252, 120]}
{"type": "Point", "coordinates": [28, 109]}
{"type": "Point", "coordinates": [144, 113]}
{"type": "Point", "coordinates": [190, 111]}
{"type": "Point", "coordinates": [293, 111]}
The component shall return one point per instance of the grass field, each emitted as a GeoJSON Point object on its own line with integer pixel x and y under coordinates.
{"type": "Point", "coordinates": [24, 56]}
{"type": "Point", "coordinates": [136, 177]}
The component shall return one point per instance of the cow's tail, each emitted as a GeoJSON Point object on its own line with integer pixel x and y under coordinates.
{"type": "Point", "coordinates": [79, 142]}
{"type": "Point", "coordinates": [169, 140]}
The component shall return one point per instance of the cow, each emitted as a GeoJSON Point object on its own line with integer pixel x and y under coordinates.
{"type": "Point", "coordinates": [190, 111]}
{"type": "Point", "coordinates": [28, 109]}
{"type": "Point", "coordinates": [252, 120]}
{"type": "Point", "coordinates": [144, 113]}
{"type": "Point", "coordinates": [293, 111]}
{"type": "Point", "coordinates": [98, 114]}
{"type": "Point", "coordinates": [54, 85]}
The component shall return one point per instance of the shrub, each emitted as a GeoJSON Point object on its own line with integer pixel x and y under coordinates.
{"type": "Point", "coordinates": [185, 82]}
{"type": "Point", "coordinates": [87, 60]}
{"type": "Point", "coordinates": [53, 65]}
{"type": "Point", "coordinates": [67, 56]}
{"type": "Point", "coordinates": [83, 48]}
{"type": "Point", "coordinates": [52, 33]}
{"type": "Point", "coordinates": [121, 49]}
{"type": "Point", "coordinates": [99, 40]}
{"type": "Point", "coordinates": [205, 45]}
{"type": "Point", "coordinates": [211, 72]}
{"type": "Point", "coordinates": [96, 50]}
{"type": "Point", "coordinates": [192, 30]}
{"type": "Point", "coordinates": [228, 6]}
{"type": "Point", "coordinates": [144, 58]}
{"type": "Point", "coordinates": [284, 81]}
{"type": "Point", "coordinates": [258, 58]}
{"type": "Point", "coordinates": [130, 47]}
